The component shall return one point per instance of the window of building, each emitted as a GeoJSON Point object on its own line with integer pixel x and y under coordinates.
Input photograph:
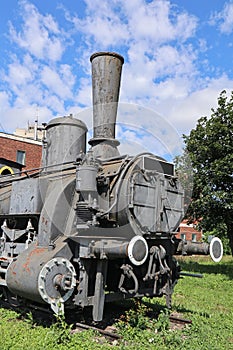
{"type": "Point", "coordinates": [20, 157]}
{"type": "Point", "coordinates": [194, 237]}
{"type": "Point", "coordinates": [183, 236]}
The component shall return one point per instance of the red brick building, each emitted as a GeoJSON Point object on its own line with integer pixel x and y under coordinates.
{"type": "Point", "coordinates": [20, 149]}
{"type": "Point", "coordinates": [188, 232]}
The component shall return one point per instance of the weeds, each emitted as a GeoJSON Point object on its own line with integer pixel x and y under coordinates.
{"type": "Point", "coordinates": [137, 316]}
{"type": "Point", "coordinates": [29, 319]}
{"type": "Point", "coordinates": [163, 323]}
{"type": "Point", "coordinates": [61, 330]}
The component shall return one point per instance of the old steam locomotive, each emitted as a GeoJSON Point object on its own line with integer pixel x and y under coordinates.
{"type": "Point", "coordinates": [91, 227]}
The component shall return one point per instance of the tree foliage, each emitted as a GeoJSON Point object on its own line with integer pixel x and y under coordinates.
{"type": "Point", "coordinates": [210, 150]}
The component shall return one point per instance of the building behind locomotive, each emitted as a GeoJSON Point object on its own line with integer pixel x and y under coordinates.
{"type": "Point", "coordinates": [92, 227]}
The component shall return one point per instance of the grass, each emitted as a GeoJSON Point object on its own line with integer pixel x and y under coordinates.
{"type": "Point", "coordinates": [208, 302]}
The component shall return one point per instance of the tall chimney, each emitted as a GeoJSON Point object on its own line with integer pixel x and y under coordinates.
{"type": "Point", "coordinates": [106, 76]}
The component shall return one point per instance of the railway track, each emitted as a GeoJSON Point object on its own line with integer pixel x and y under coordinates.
{"type": "Point", "coordinates": [105, 328]}
{"type": "Point", "coordinates": [107, 334]}
{"type": "Point", "coordinates": [179, 319]}
{"type": "Point", "coordinates": [112, 335]}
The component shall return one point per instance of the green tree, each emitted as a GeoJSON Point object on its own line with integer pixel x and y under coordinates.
{"type": "Point", "coordinates": [210, 150]}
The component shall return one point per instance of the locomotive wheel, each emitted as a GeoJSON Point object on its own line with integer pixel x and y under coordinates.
{"type": "Point", "coordinates": [56, 283]}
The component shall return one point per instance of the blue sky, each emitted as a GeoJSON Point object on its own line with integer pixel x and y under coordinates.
{"type": "Point", "coordinates": [178, 58]}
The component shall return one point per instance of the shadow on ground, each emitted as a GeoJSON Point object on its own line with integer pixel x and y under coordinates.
{"type": "Point", "coordinates": [201, 267]}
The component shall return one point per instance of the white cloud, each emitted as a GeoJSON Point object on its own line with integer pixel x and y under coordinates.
{"type": "Point", "coordinates": [84, 93]}
{"type": "Point", "coordinates": [40, 35]}
{"type": "Point", "coordinates": [154, 38]}
{"type": "Point", "coordinates": [105, 30]}
{"type": "Point", "coordinates": [54, 103]}
{"type": "Point", "coordinates": [147, 77]}
{"type": "Point", "coordinates": [144, 127]}
{"type": "Point", "coordinates": [4, 107]}
{"type": "Point", "coordinates": [224, 19]}
{"type": "Point", "coordinates": [19, 117]}
{"type": "Point", "coordinates": [31, 82]}
{"type": "Point", "coordinates": [160, 70]}
{"type": "Point", "coordinates": [34, 76]}
{"type": "Point", "coordinates": [130, 22]}
{"type": "Point", "coordinates": [58, 82]}
{"type": "Point", "coordinates": [20, 80]}
{"type": "Point", "coordinates": [18, 74]}
{"type": "Point", "coordinates": [173, 88]}
{"type": "Point", "coordinates": [158, 21]}
{"type": "Point", "coordinates": [183, 113]}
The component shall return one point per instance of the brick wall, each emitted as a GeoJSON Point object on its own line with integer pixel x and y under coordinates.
{"type": "Point", "coordinates": [188, 232]}
{"type": "Point", "coordinates": [10, 144]}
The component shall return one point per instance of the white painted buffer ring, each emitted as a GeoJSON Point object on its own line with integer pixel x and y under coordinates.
{"type": "Point", "coordinates": [216, 249]}
{"type": "Point", "coordinates": [137, 250]}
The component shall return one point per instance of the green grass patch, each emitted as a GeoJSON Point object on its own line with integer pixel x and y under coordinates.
{"type": "Point", "coordinates": [207, 301]}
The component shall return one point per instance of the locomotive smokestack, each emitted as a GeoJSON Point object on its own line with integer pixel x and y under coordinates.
{"type": "Point", "coordinates": [106, 76]}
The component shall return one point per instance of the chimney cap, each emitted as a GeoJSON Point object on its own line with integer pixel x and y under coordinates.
{"type": "Point", "coordinates": [102, 53]}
